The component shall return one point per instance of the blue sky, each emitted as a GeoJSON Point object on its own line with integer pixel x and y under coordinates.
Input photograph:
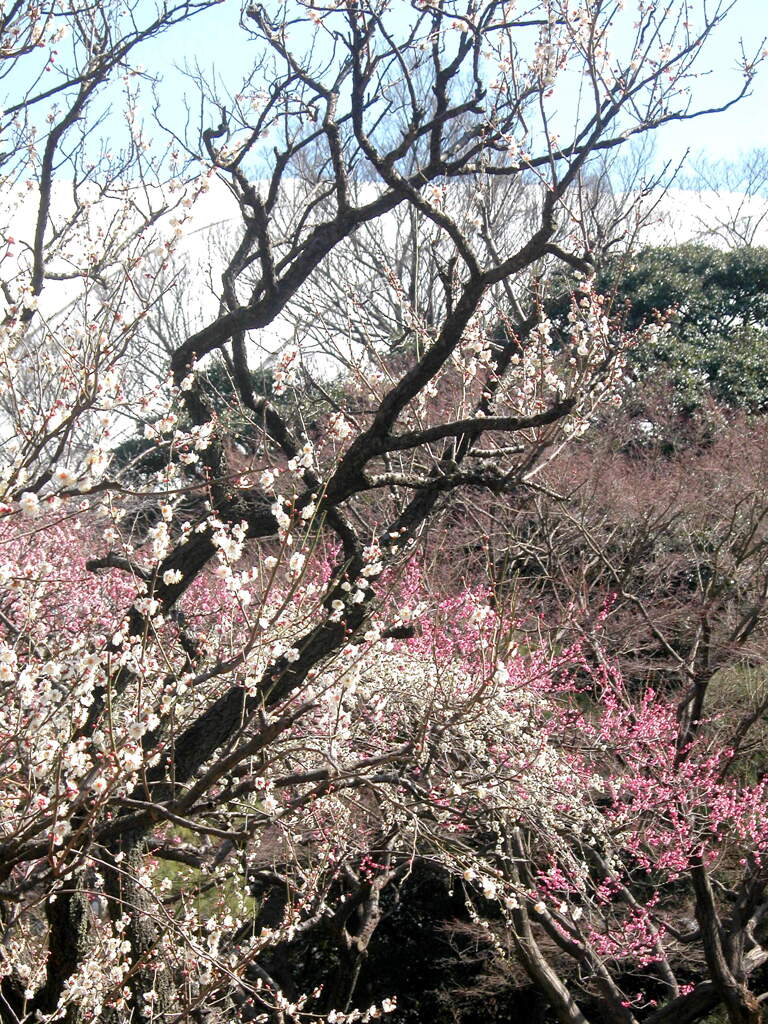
{"type": "Point", "coordinates": [745, 126]}
{"type": "Point", "coordinates": [215, 40]}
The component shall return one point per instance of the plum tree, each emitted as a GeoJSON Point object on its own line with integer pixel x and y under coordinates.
{"type": "Point", "coordinates": [237, 688]}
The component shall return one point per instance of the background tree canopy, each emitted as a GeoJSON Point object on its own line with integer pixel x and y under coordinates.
{"type": "Point", "coordinates": [717, 304]}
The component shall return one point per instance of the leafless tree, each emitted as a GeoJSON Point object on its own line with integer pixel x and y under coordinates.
{"type": "Point", "coordinates": [734, 195]}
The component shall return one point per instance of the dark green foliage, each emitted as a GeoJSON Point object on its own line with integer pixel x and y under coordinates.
{"type": "Point", "coordinates": [716, 303]}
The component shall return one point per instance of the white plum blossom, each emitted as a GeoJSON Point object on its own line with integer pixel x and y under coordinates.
{"type": "Point", "coordinates": [286, 369]}
{"type": "Point", "coordinates": [65, 476]}
{"type": "Point", "coordinates": [296, 563]}
{"type": "Point", "coordinates": [339, 426]}
{"type": "Point", "coordinates": [29, 503]}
